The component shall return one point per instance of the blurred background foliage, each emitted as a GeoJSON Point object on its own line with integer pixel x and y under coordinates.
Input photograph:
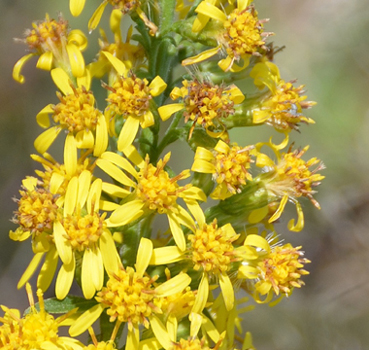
{"type": "Point", "coordinates": [327, 49]}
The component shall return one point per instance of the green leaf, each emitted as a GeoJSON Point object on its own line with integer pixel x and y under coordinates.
{"type": "Point", "coordinates": [56, 306]}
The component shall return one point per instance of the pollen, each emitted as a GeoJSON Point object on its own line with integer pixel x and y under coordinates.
{"type": "Point", "coordinates": [129, 96]}
{"type": "Point", "coordinates": [37, 210]}
{"type": "Point", "coordinates": [282, 269]}
{"type": "Point", "coordinates": [205, 102]}
{"type": "Point", "coordinates": [190, 344]}
{"type": "Point", "coordinates": [243, 33]}
{"type": "Point", "coordinates": [156, 189]}
{"type": "Point", "coordinates": [285, 107]}
{"type": "Point", "coordinates": [125, 5]}
{"type": "Point", "coordinates": [212, 249]}
{"type": "Point", "coordinates": [77, 112]}
{"type": "Point", "coordinates": [47, 34]}
{"type": "Point", "coordinates": [129, 297]}
{"type": "Point", "coordinates": [231, 167]}
{"type": "Point", "coordinates": [83, 231]}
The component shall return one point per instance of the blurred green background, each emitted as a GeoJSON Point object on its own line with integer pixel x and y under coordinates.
{"type": "Point", "coordinates": [327, 49]}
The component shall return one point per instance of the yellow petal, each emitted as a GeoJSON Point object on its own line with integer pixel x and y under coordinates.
{"type": "Point", "coordinates": [76, 7]}
{"type": "Point", "coordinates": [133, 338]}
{"type": "Point", "coordinates": [84, 181]}
{"type": "Point", "coordinates": [78, 38]}
{"type": "Point", "coordinates": [126, 213]}
{"type": "Point", "coordinates": [227, 291]}
{"type": "Point", "coordinates": [30, 270]}
{"type": "Point", "coordinates": [246, 271]}
{"type": "Point", "coordinates": [201, 56]}
{"type": "Point", "coordinates": [177, 231]}
{"type": "Point", "coordinates": [109, 252]}
{"type": "Point", "coordinates": [196, 211]}
{"type": "Point", "coordinates": [121, 162]}
{"type": "Point", "coordinates": [48, 269]}
{"type": "Point", "coordinates": [30, 183]}
{"type": "Point", "coordinates": [257, 241]}
{"type": "Point", "coordinates": [115, 190]}
{"type": "Point", "coordinates": [76, 60]}
{"type": "Point", "coordinates": [193, 193]}
{"type": "Point", "coordinates": [55, 182]}
{"type": "Point", "coordinates": [92, 275]}
{"type": "Point", "coordinates": [196, 322]}
{"type": "Point", "coordinates": [62, 81]}
{"type": "Point", "coordinates": [62, 244]}
{"type": "Point", "coordinates": [128, 133]}
{"type": "Point", "coordinates": [202, 295]}
{"type": "Point", "coordinates": [17, 76]}
{"type": "Point", "coordinates": [115, 20]}
{"type": "Point", "coordinates": [108, 206]}
{"type": "Point", "coordinates": [157, 86]}
{"type": "Point", "coordinates": [42, 117]}
{"type": "Point", "coordinates": [226, 63]}
{"type": "Point", "coordinates": [280, 209]}
{"type": "Point", "coordinates": [236, 94]}
{"type": "Point", "coordinates": [235, 68]}
{"type": "Point", "coordinates": [86, 320]}
{"type": "Point", "coordinates": [166, 255]}
{"type": "Point", "coordinates": [300, 220]}
{"type": "Point", "coordinates": [45, 61]}
{"type": "Point", "coordinates": [113, 171]}
{"type": "Point", "coordinates": [150, 344]}
{"type": "Point", "coordinates": [258, 214]}
{"type": "Point", "coordinates": [84, 139]}
{"type": "Point", "coordinates": [46, 139]}
{"type": "Point", "coordinates": [144, 254]}
{"type": "Point", "coordinates": [102, 137]}
{"type": "Point", "coordinates": [172, 327]}
{"type": "Point", "coordinates": [174, 285]}
{"type": "Point", "coordinates": [95, 19]}
{"type": "Point", "coordinates": [148, 120]}
{"type": "Point", "coordinates": [65, 279]}
{"type": "Point", "coordinates": [260, 116]}
{"type": "Point", "coordinates": [70, 196]}
{"type": "Point", "coordinates": [94, 195]}
{"type": "Point", "coordinates": [210, 329]}
{"type": "Point", "coordinates": [209, 10]}
{"type": "Point", "coordinates": [118, 65]}
{"type": "Point", "coordinates": [167, 111]}
{"type": "Point", "coordinates": [132, 154]}
{"type": "Point", "coordinates": [160, 332]}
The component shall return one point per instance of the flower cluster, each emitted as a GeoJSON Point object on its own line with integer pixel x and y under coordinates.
{"type": "Point", "coordinates": [92, 216]}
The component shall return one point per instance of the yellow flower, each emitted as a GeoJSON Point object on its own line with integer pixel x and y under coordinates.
{"type": "Point", "coordinates": [82, 234]}
{"type": "Point", "coordinates": [282, 108]}
{"type": "Point", "coordinates": [130, 98]}
{"type": "Point", "coordinates": [76, 113]}
{"type": "Point", "coordinates": [132, 55]}
{"type": "Point", "coordinates": [153, 191]}
{"type": "Point", "coordinates": [211, 252]}
{"type": "Point", "coordinates": [35, 330]}
{"type": "Point", "coordinates": [125, 6]}
{"type": "Point", "coordinates": [56, 47]}
{"type": "Point", "coordinates": [131, 296]}
{"type": "Point", "coordinates": [227, 164]}
{"type": "Point", "coordinates": [239, 34]}
{"type": "Point", "coordinates": [205, 104]}
{"type": "Point", "coordinates": [274, 269]}
{"type": "Point", "coordinates": [288, 179]}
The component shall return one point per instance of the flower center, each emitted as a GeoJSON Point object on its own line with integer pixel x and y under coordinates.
{"type": "Point", "coordinates": [191, 344]}
{"type": "Point", "coordinates": [157, 189]}
{"type": "Point", "coordinates": [84, 231]}
{"type": "Point", "coordinates": [212, 249]}
{"type": "Point", "coordinates": [242, 33]}
{"type": "Point", "coordinates": [129, 297]}
{"type": "Point", "coordinates": [231, 167]}
{"type": "Point", "coordinates": [282, 268]}
{"type": "Point", "coordinates": [125, 5]}
{"type": "Point", "coordinates": [129, 96]}
{"type": "Point", "coordinates": [47, 34]}
{"type": "Point", "coordinates": [77, 111]}
{"type": "Point", "coordinates": [204, 102]}
{"type": "Point", "coordinates": [36, 210]}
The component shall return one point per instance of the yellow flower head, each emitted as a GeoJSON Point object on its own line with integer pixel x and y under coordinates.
{"type": "Point", "coordinates": [37, 211]}
{"type": "Point", "coordinates": [229, 166]}
{"type": "Point", "coordinates": [205, 104]}
{"type": "Point", "coordinates": [282, 108]}
{"type": "Point", "coordinates": [290, 178]}
{"type": "Point", "coordinates": [274, 269]}
{"type": "Point", "coordinates": [179, 305]}
{"type": "Point", "coordinates": [57, 47]}
{"type": "Point", "coordinates": [190, 344]}
{"type": "Point", "coordinates": [131, 296]}
{"type": "Point", "coordinates": [239, 34]}
{"type": "Point", "coordinates": [153, 191]}
{"type": "Point", "coordinates": [82, 232]}
{"type": "Point", "coordinates": [36, 330]}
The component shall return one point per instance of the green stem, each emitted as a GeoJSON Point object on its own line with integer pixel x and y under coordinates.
{"type": "Point", "coordinates": [167, 14]}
